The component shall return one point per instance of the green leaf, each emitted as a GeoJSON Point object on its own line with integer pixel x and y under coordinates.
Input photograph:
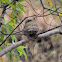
{"type": "Point", "coordinates": [7, 1]}
{"type": "Point", "coordinates": [9, 24]}
{"type": "Point", "coordinates": [16, 55]}
{"type": "Point", "coordinates": [20, 0]}
{"type": "Point", "coordinates": [21, 51]}
{"type": "Point", "coordinates": [13, 39]}
{"type": "Point", "coordinates": [20, 12]}
{"type": "Point", "coordinates": [3, 1]}
{"type": "Point", "coordinates": [50, 3]}
{"type": "Point", "coordinates": [1, 37]}
{"type": "Point", "coordinates": [0, 48]}
{"type": "Point", "coordinates": [55, 8]}
{"type": "Point", "coordinates": [20, 47]}
{"type": "Point", "coordinates": [21, 7]}
{"type": "Point", "coordinates": [13, 15]}
{"type": "Point", "coordinates": [13, 19]}
{"type": "Point", "coordinates": [2, 34]}
{"type": "Point", "coordinates": [13, 6]}
{"type": "Point", "coordinates": [12, 36]}
{"type": "Point", "coordinates": [10, 27]}
{"type": "Point", "coordinates": [4, 30]}
{"type": "Point", "coordinates": [61, 2]}
{"type": "Point", "coordinates": [1, 40]}
{"type": "Point", "coordinates": [10, 57]}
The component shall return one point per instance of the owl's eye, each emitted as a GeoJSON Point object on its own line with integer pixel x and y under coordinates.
{"type": "Point", "coordinates": [28, 21]}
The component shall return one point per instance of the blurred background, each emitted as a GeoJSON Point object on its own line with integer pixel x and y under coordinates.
{"type": "Point", "coordinates": [47, 49]}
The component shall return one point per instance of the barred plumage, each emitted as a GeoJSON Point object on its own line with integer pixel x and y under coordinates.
{"type": "Point", "coordinates": [31, 28]}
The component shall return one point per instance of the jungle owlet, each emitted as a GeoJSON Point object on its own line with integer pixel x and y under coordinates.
{"type": "Point", "coordinates": [31, 28]}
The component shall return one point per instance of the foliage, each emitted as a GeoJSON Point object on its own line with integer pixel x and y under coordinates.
{"type": "Point", "coordinates": [17, 10]}
{"type": "Point", "coordinates": [55, 9]}
{"type": "Point", "coordinates": [21, 51]}
{"type": "Point", "coordinates": [49, 3]}
{"type": "Point", "coordinates": [14, 55]}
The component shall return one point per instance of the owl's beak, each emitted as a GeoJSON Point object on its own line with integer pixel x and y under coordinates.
{"type": "Point", "coordinates": [32, 33]}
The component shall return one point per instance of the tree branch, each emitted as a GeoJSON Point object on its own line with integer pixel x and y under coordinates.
{"type": "Point", "coordinates": [4, 51]}
{"type": "Point", "coordinates": [49, 33]}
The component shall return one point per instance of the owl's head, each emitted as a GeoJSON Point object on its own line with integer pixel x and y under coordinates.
{"type": "Point", "coordinates": [31, 28]}
{"type": "Point", "coordinates": [29, 20]}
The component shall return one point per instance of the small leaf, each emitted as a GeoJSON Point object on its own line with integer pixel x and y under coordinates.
{"type": "Point", "coordinates": [61, 2]}
{"type": "Point", "coordinates": [12, 36]}
{"type": "Point", "coordinates": [15, 13]}
{"type": "Point", "coordinates": [13, 6]}
{"type": "Point", "coordinates": [7, 1]}
{"type": "Point", "coordinates": [3, 1]}
{"type": "Point", "coordinates": [21, 7]}
{"type": "Point", "coordinates": [4, 30]}
{"type": "Point", "coordinates": [20, 47]}
{"type": "Point", "coordinates": [57, 16]}
{"type": "Point", "coordinates": [20, 12]}
{"type": "Point", "coordinates": [10, 57]}
{"type": "Point", "coordinates": [16, 55]}
{"type": "Point", "coordinates": [20, 0]}
{"type": "Point", "coordinates": [1, 37]}
{"type": "Point", "coordinates": [50, 3]}
{"type": "Point", "coordinates": [60, 14]}
{"type": "Point", "coordinates": [24, 54]}
{"type": "Point", "coordinates": [21, 51]}
{"type": "Point", "coordinates": [55, 8]}
{"type": "Point", "coordinates": [9, 24]}
{"type": "Point", "coordinates": [0, 48]}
